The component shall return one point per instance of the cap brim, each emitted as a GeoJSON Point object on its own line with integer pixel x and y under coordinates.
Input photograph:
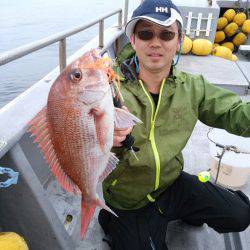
{"type": "Point", "coordinates": [154, 18]}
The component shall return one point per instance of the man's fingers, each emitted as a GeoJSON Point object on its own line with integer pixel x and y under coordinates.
{"type": "Point", "coordinates": [117, 141]}
{"type": "Point", "coordinates": [120, 136]}
{"type": "Point", "coordinates": [122, 132]}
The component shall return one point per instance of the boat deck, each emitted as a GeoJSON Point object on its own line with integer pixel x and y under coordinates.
{"type": "Point", "coordinates": [40, 199]}
{"type": "Point", "coordinates": [215, 70]}
{"type": "Point", "coordinates": [181, 236]}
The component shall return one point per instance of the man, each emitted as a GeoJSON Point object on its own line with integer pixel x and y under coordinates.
{"type": "Point", "coordinates": [148, 193]}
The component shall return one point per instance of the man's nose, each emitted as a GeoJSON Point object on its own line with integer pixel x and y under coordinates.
{"type": "Point", "coordinates": [155, 41]}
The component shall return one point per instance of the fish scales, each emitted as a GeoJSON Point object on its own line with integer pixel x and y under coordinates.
{"type": "Point", "coordinates": [76, 130]}
{"type": "Point", "coordinates": [81, 147]}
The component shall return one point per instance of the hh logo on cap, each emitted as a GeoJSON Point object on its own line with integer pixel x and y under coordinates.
{"type": "Point", "coordinates": [161, 9]}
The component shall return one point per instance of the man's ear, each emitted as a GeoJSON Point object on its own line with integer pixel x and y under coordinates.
{"type": "Point", "coordinates": [180, 41]}
{"type": "Point", "coordinates": [132, 40]}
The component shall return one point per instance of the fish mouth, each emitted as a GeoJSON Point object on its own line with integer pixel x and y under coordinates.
{"type": "Point", "coordinates": [96, 53]}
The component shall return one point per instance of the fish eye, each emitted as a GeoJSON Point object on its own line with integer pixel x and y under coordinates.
{"type": "Point", "coordinates": [76, 75]}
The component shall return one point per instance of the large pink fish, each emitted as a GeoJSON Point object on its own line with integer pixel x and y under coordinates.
{"type": "Point", "coordinates": [75, 130]}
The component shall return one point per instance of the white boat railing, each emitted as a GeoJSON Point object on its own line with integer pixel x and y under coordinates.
{"type": "Point", "coordinates": [60, 37]}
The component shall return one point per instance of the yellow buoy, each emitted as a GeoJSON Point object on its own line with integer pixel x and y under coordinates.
{"type": "Point", "coordinates": [246, 26]}
{"type": "Point", "coordinates": [240, 18]}
{"type": "Point", "coordinates": [202, 47]}
{"type": "Point", "coordinates": [234, 58]}
{"type": "Point", "coordinates": [219, 36]}
{"type": "Point", "coordinates": [222, 23]}
{"type": "Point", "coordinates": [186, 45]}
{"type": "Point", "coordinates": [239, 39]}
{"type": "Point", "coordinates": [228, 45]}
{"type": "Point", "coordinates": [204, 176]}
{"type": "Point", "coordinates": [229, 14]}
{"type": "Point", "coordinates": [215, 45]}
{"type": "Point", "coordinates": [231, 29]}
{"type": "Point", "coordinates": [223, 52]}
{"type": "Point", "coordinates": [12, 241]}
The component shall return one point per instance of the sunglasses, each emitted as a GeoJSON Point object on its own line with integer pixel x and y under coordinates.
{"type": "Point", "coordinates": [147, 35]}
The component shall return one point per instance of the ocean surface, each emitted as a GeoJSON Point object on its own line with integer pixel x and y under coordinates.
{"type": "Point", "coordinates": [25, 21]}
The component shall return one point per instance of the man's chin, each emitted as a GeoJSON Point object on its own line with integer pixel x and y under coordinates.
{"type": "Point", "coordinates": [156, 67]}
{"type": "Point", "coordinates": [155, 60]}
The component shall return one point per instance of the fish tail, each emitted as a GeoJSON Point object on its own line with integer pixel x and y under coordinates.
{"type": "Point", "coordinates": [87, 214]}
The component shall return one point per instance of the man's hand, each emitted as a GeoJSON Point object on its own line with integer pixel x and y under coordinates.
{"type": "Point", "coordinates": [120, 136]}
{"type": "Point", "coordinates": [121, 133]}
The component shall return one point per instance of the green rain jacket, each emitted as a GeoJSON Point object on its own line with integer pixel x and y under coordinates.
{"type": "Point", "coordinates": [183, 99]}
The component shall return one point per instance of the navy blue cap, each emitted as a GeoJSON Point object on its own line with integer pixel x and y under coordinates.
{"type": "Point", "coordinates": [161, 12]}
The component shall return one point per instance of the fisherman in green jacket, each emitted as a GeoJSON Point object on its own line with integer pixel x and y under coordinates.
{"type": "Point", "coordinates": [148, 193]}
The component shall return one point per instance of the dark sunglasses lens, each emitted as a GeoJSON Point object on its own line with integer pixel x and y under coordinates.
{"type": "Point", "coordinates": [148, 35]}
{"type": "Point", "coordinates": [145, 35]}
{"type": "Point", "coordinates": [167, 35]}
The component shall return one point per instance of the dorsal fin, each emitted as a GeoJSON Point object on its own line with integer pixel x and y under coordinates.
{"type": "Point", "coordinates": [38, 128]}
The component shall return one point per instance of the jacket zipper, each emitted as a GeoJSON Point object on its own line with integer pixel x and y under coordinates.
{"type": "Point", "coordinates": [152, 133]}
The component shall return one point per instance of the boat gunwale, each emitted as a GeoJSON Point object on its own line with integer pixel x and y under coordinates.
{"type": "Point", "coordinates": [15, 115]}
{"type": "Point", "coordinates": [29, 48]}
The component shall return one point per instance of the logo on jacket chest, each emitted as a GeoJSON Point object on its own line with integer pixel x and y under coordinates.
{"type": "Point", "coordinates": [178, 113]}
{"type": "Point", "coordinates": [176, 119]}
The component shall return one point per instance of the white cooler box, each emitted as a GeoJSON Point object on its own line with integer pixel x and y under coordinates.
{"type": "Point", "coordinates": [235, 167]}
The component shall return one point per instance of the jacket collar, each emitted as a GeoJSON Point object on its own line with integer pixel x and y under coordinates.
{"type": "Point", "coordinates": [130, 81]}
{"type": "Point", "coordinates": [128, 72]}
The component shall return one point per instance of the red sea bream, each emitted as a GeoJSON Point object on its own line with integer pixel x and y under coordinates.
{"type": "Point", "coordinates": [75, 130]}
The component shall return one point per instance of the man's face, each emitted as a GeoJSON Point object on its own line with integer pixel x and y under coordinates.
{"type": "Point", "coordinates": [155, 54]}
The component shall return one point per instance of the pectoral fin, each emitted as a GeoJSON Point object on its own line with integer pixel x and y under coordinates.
{"type": "Point", "coordinates": [101, 127]}
{"type": "Point", "coordinates": [124, 119]}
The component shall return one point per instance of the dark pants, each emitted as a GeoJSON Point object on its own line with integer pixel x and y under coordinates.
{"type": "Point", "coordinates": [187, 199]}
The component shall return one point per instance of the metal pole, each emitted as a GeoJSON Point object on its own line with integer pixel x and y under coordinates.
{"type": "Point", "coordinates": [117, 46]}
{"type": "Point", "coordinates": [19, 52]}
{"type": "Point", "coordinates": [125, 18]}
{"type": "Point", "coordinates": [227, 241]}
{"type": "Point", "coordinates": [101, 34]}
{"type": "Point", "coordinates": [120, 20]}
{"type": "Point", "coordinates": [62, 54]}
{"type": "Point", "coordinates": [237, 240]}
{"type": "Point", "coordinates": [247, 9]}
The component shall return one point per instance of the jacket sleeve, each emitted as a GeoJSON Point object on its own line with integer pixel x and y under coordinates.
{"type": "Point", "coordinates": [222, 108]}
